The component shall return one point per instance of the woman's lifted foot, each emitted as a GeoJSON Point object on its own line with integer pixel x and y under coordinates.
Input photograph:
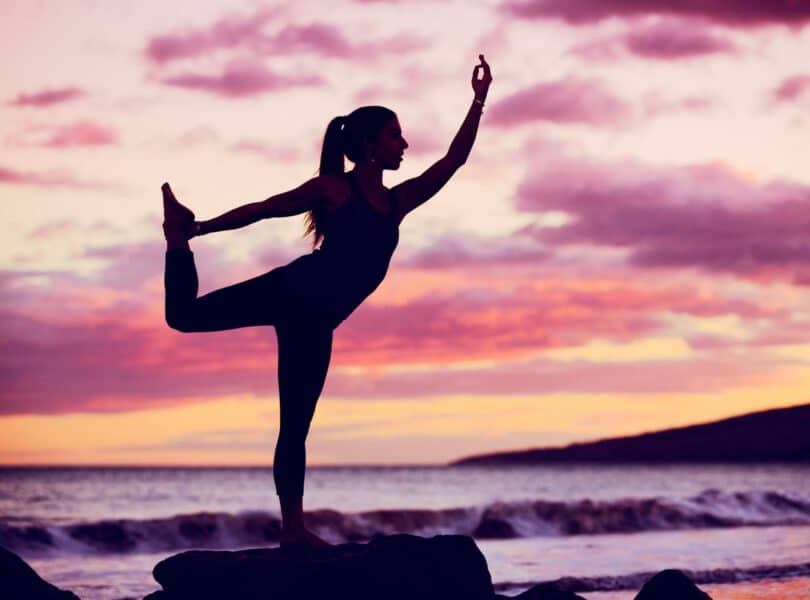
{"type": "Point", "coordinates": [296, 538]}
{"type": "Point", "coordinates": [177, 219]}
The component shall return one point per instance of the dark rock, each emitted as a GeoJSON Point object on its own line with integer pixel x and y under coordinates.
{"type": "Point", "coordinates": [396, 567]}
{"type": "Point", "coordinates": [547, 591]}
{"type": "Point", "coordinates": [18, 581]}
{"type": "Point", "coordinates": [671, 584]}
{"type": "Point", "coordinates": [491, 528]}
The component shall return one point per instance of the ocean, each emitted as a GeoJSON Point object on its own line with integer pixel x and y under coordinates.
{"type": "Point", "coordinates": [742, 531]}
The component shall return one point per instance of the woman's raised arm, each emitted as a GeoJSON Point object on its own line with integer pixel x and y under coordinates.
{"type": "Point", "coordinates": [293, 202]}
{"type": "Point", "coordinates": [416, 191]}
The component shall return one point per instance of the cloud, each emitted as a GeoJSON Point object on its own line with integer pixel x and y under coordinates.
{"type": "Point", "coordinates": [541, 376]}
{"type": "Point", "coordinates": [47, 97]}
{"type": "Point", "coordinates": [12, 176]}
{"type": "Point", "coordinates": [664, 40]}
{"type": "Point", "coordinates": [82, 133]}
{"type": "Point", "coordinates": [791, 89]}
{"type": "Point", "coordinates": [99, 342]}
{"type": "Point", "coordinates": [228, 32]}
{"type": "Point", "coordinates": [246, 33]}
{"type": "Point", "coordinates": [241, 79]}
{"type": "Point", "coordinates": [702, 216]}
{"type": "Point", "coordinates": [568, 100]}
{"type": "Point", "coordinates": [735, 13]}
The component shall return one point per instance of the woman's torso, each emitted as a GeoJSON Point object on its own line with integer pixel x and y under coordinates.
{"type": "Point", "coordinates": [359, 240]}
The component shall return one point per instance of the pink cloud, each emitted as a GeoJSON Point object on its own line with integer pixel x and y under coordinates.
{"type": "Point", "coordinates": [247, 34]}
{"type": "Point", "coordinates": [100, 343]}
{"type": "Point", "coordinates": [564, 101]}
{"type": "Point", "coordinates": [665, 40]}
{"type": "Point", "coordinates": [228, 32]}
{"type": "Point", "coordinates": [82, 133]}
{"type": "Point", "coordinates": [241, 79]}
{"type": "Point", "coordinates": [704, 375]}
{"type": "Point", "coordinates": [52, 179]}
{"type": "Point", "coordinates": [791, 89]}
{"type": "Point", "coordinates": [740, 13]}
{"type": "Point", "coordinates": [47, 97]}
{"type": "Point", "coordinates": [702, 216]}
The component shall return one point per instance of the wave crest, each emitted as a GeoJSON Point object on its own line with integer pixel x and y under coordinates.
{"type": "Point", "coordinates": [711, 508]}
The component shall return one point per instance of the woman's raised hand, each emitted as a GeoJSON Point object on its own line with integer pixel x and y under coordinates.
{"type": "Point", "coordinates": [481, 86]}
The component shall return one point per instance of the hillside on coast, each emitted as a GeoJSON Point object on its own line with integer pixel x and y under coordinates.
{"type": "Point", "coordinates": [781, 434]}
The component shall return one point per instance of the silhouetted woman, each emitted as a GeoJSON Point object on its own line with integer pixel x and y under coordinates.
{"type": "Point", "coordinates": [355, 221]}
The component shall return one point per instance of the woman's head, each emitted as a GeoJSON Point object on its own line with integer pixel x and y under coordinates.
{"type": "Point", "coordinates": [369, 134]}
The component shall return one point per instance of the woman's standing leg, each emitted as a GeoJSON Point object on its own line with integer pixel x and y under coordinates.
{"type": "Point", "coordinates": [303, 360]}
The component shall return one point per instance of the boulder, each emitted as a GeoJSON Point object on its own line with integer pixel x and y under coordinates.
{"type": "Point", "coordinates": [396, 567]}
{"type": "Point", "coordinates": [671, 584]}
{"type": "Point", "coordinates": [18, 581]}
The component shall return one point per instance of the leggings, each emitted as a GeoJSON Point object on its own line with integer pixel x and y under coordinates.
{"type": "Point", "coordinates": [304, 349]}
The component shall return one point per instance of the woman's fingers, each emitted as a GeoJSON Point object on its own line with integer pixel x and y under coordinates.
{"type": "Point", "coordinates": [485, 65]}
{"type": "Point", "coordinates": [167, 191]}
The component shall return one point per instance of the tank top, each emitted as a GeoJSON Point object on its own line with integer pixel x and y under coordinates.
{"type": "Point", "coordinates": [353, 258]}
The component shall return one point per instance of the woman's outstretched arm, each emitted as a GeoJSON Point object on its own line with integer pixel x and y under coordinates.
{"type": "Point", "coordinates": [286, 204]}
{"type": "Point", "coordinates": [416, 191]}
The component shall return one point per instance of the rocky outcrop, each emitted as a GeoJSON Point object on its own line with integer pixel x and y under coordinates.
{"type": "Point", "coordinates": [18, 581]}
{"type": "Point", "coordinates": [396, 567]}
{"type": "Point", "coordinates": [393, 567]}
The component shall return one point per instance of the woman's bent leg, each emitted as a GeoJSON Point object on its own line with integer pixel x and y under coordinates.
{"type": "Point", "coordinates": [256, 301]}
{"type": "Point", "coordinates": [303, 360]}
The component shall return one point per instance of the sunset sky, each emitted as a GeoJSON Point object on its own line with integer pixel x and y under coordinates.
{"type": "Point", "coordinates": [627, 248]}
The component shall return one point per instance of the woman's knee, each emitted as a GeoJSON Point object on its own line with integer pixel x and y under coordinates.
{"type": "Point", "coordinates": [179, 321]}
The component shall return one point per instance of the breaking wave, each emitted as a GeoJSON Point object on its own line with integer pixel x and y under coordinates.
{"type": "Point", "coordinates": [709, 509]}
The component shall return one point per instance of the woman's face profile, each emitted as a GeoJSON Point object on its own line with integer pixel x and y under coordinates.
{"type": "Point", "coordinates": [390, 145]}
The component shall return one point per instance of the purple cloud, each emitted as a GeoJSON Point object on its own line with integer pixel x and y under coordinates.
{"type": "Point", "coordinates": [738, 13]}
{"type": "Point", "coordinates": [665, 40]}
{"type": "Point", "coordinates": [247, 33]}
{"type": "Point", "coordinates": [241, 79]}
{"type": "Point", "coordinates": [53, 179]}
{"type": "Point", "coordinates": [702, 216]}
{"type": "Point", "coordinates": [82, 133]}
{"type": "Point", "coordinates": [791, 89]}
{"type": "Point", "coordinates": [47, 97]}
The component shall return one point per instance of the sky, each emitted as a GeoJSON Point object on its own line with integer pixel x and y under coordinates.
{"type": "Point", "coordinates": [626, 249]}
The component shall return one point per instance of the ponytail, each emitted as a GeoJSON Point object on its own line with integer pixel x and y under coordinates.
{"type": "Point", "coordinates": [331, 162]}
{"type": "Point", "coordinates": [332, 151]}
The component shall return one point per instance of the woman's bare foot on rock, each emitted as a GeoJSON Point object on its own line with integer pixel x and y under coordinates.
{"type": "Point", "coordinates": [296, 538]}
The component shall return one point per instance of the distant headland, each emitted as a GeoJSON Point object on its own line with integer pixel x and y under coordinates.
{"type": "Point", "coordinates": [781, 434]}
